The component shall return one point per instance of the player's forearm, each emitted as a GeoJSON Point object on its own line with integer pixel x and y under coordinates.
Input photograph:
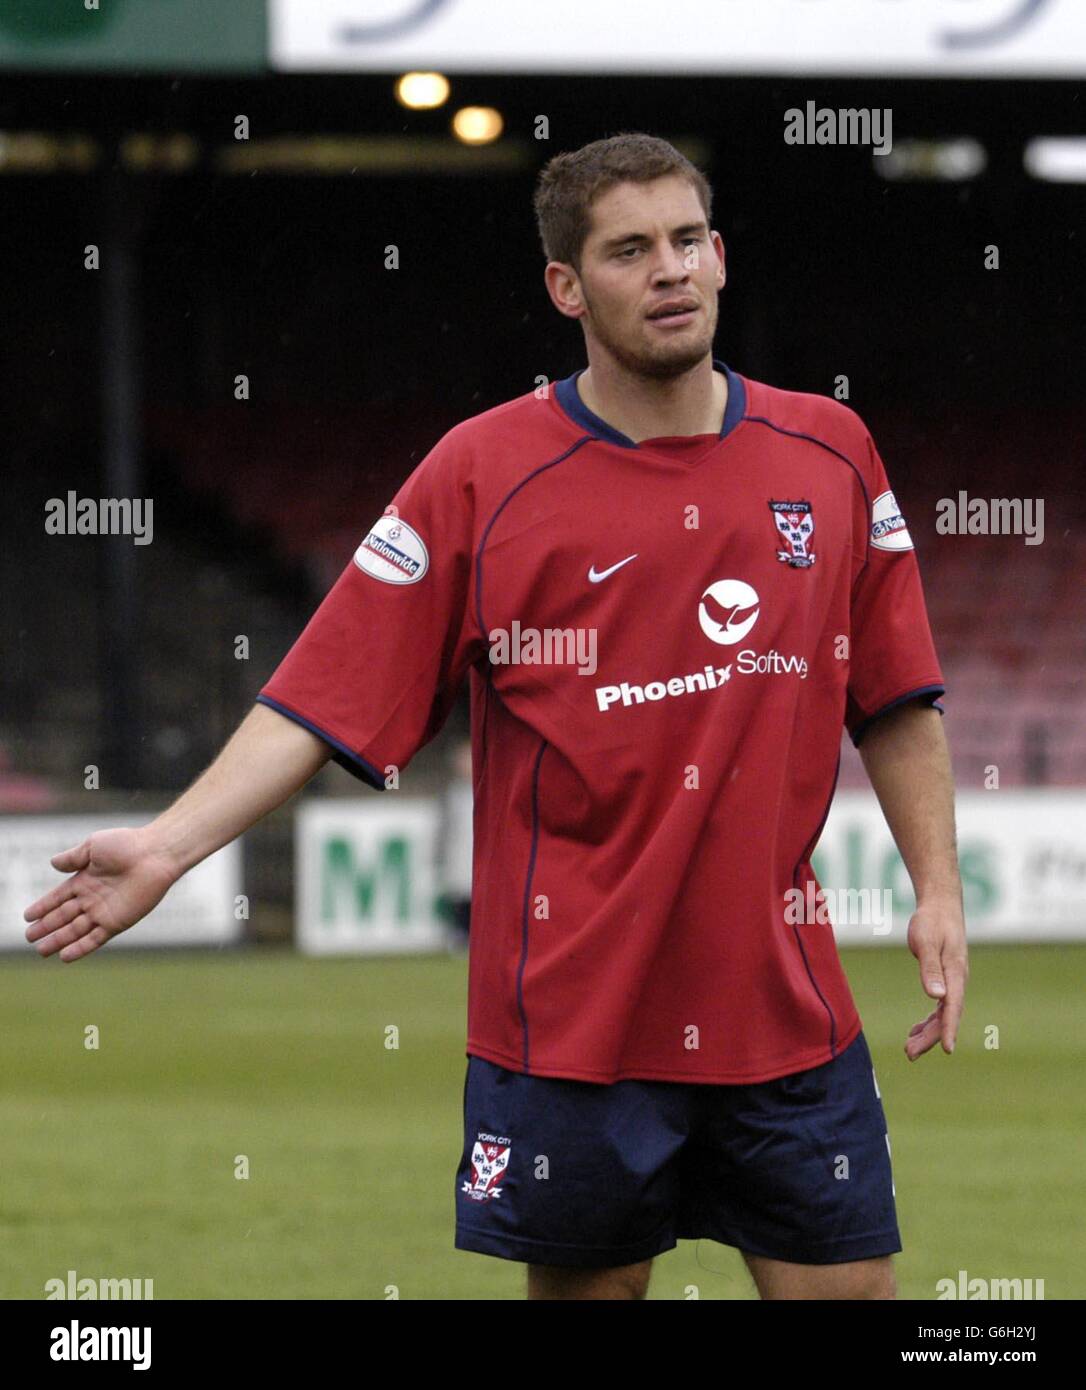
{"type": "Point", "coordinates": [267, 759]}
{"type": "Point", "coordinates": [907, 760]}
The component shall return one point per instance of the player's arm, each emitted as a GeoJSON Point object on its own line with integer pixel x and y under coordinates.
{"type": "Point", "coordinates": [118, 876]}
{"type": "Point", "coordinates": [907, 760]}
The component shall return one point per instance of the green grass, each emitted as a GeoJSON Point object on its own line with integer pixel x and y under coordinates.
{"type": "Point", "coordinates": [120, 1162]}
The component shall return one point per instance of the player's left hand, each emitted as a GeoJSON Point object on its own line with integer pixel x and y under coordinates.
{"type": "Point", "coordinates": [937, 940]}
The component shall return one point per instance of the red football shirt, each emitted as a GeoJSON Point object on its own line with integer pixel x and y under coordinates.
{"type": "Point", "coordinates": [663, 641]}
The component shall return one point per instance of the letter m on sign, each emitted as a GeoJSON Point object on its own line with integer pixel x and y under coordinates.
{"type": "Point", "coordinates": [357, 888]}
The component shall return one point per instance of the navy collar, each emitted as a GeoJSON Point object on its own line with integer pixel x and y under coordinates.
{"type": "Point", "coordinates": [568, 398]}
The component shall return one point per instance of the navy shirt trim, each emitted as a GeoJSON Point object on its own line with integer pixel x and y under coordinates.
{"type": "Point", "coordinates": [347, 758]}
{"type": "Point", "coordinates": [929, 694]}
{"type": "Point", "coordinates": [569, 399]}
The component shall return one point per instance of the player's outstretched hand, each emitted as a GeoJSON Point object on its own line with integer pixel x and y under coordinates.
{"type": "Point", "coordinates": [118, 876]}
{"type": "Point", "coordinates": [937, 940]}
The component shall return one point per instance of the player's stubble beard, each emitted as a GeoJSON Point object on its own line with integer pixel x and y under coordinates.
{"type": "Point", "coordinates": [637, 357]}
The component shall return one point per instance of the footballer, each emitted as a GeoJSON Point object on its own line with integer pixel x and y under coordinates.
{"type": "Point", "coordinates": [657, 1050]}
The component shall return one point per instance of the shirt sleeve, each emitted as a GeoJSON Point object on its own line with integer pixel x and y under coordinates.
{"type": "Point", "coordinates": [892, 656]}
{"type": "Point", "coordinates": [379, 665]}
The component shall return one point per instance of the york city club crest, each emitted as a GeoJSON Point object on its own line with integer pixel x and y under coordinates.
{"type": "Point", "coordinates": [489, 1160]}
{"type": "Point", "coordinates": [795, 525]}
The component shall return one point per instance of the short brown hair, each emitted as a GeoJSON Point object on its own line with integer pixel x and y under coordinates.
{"type": "Point", "coordinates": [570, 182]}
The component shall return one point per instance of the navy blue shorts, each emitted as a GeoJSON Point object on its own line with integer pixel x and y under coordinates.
{"type": "Point", "coordinates": [560, 1172]}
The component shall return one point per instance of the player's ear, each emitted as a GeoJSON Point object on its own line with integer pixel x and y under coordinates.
{"type": "Point", "coordinates": [718, 247]}
{"type": "Point", "coordinates": [564, 287]}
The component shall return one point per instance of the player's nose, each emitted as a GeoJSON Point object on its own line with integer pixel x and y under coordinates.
{"type": "Point", "coordinates": [669, 264]}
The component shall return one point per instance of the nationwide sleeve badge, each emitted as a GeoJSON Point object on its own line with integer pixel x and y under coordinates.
{"type": "Point", "coordinates": [795, 525]}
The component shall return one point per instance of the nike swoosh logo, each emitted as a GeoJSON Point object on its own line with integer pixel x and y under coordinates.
{"type": "Point", "coordinates": [594, 575]}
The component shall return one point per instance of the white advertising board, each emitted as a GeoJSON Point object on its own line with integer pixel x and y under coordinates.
{"type": "Point", "coordinates": [201, 909]}
{"type": "Point", "coordinates": [365, 876]}
{"type": "Point", "coordinates": [1013, 38]}
{"type": "Point", "coordinates": [1022, 855]}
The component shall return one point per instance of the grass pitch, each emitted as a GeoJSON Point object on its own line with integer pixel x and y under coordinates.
{"type": "Point", "coordinates": [120, 1162]}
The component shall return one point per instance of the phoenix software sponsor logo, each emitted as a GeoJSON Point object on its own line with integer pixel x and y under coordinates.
{"type": "Point", "coordinates": [711, 678]}
{"type": "Point", "coordinates": [728, 610]}
{"type": "Point", "coordinates": [747, 663]}
{"type": "Point", "coordinates": [771, 663]}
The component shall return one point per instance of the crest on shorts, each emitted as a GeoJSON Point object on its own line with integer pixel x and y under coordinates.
{"type": "Point", "coordinates": [795, 525]}
{"type": "Point", "coordinates": [489, 1160]}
